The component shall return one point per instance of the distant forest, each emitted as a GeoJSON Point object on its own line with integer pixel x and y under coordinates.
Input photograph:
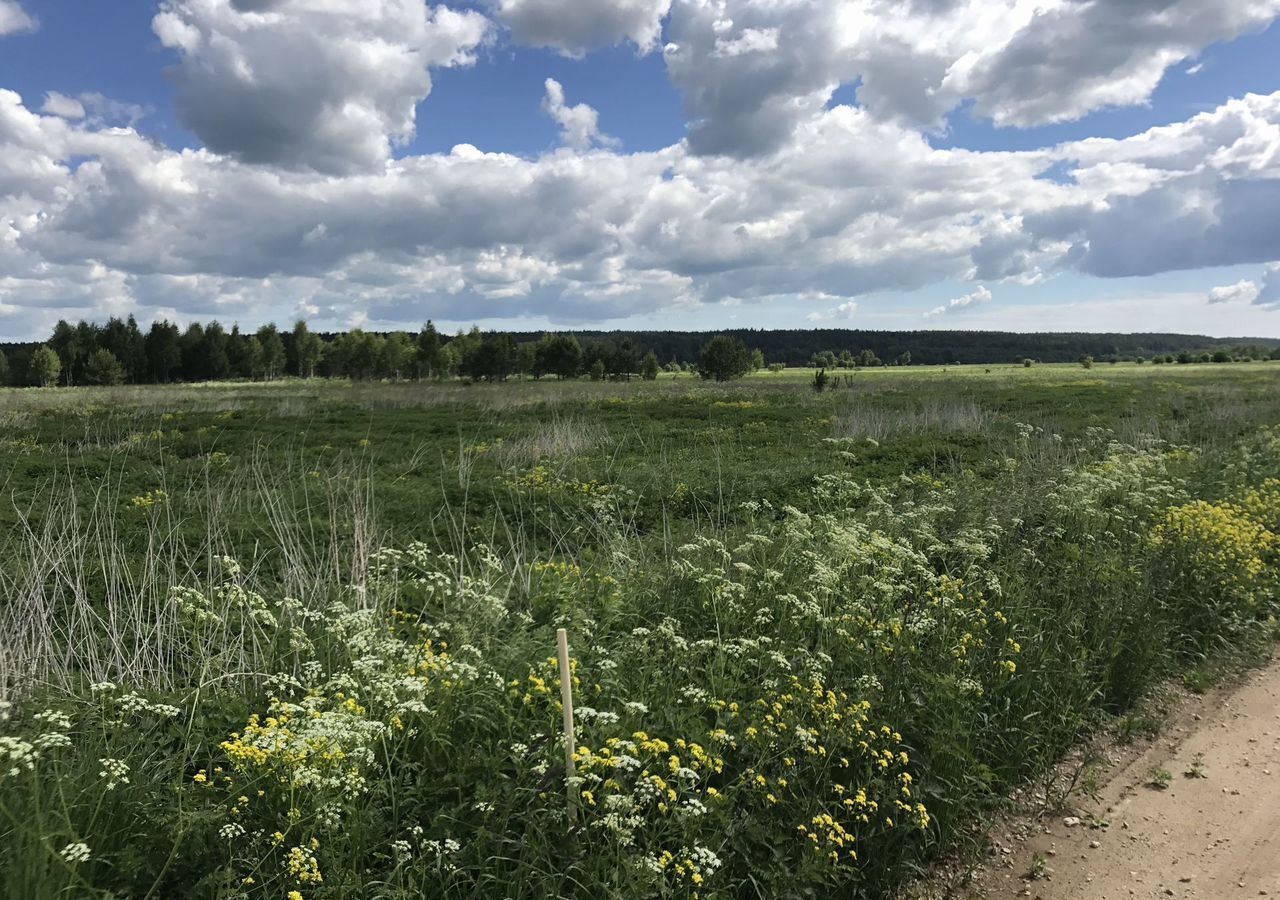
{"type": "Point", "coordinates": [122, 352]}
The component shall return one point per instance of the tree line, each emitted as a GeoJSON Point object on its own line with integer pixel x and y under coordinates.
{"type": "Point", "coordinates": [119, 351]}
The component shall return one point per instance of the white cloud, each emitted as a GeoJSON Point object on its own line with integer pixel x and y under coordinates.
{"type": "Point", "coordinates": [96, 109]}
{"type": "Point", "coordinates": [579, 124]}
{"type": "Point", "coordinates": [310, 84]}
{"type": "Point", "coordinates": [959, 304]}
{"type": "Point", "coordinates": [752, 70]}
{"type": "Point", "coordinates": [1074, 56]}
{"type": "Point", "coordinates": [62, 105]}
{"type": "Point", "coordinates": [1244, 291]}
{"type": "Point", "coordinates": [845, 310]}
{"type": "Point", "coordinates": [1212, 182]}
{"type": "Point", "coordinates": [14, 19]}
{"type": "Point", "coordinates": [853, 205]}
{"type": "Point", "coordinates": [575, 26]}
{"type": "Point", "coordinates": [1268, 295]}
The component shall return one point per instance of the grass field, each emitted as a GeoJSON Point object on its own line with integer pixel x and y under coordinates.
{"type": "Point", "coordinates": [297, 639]}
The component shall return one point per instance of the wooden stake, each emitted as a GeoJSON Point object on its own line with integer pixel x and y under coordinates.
{"type": "Point", "coordinates": [566, 700]}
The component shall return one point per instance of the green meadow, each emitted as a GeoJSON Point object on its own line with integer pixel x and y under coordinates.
{"type": "Point", "coordinates": [297, 639]}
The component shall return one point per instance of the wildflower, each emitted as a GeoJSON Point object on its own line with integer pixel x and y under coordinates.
{"type": "Point", "coordinates": [115, 771]}
{"type": "Point", "coordinates": [76, 853]}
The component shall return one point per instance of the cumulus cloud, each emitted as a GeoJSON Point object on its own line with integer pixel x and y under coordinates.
{"type": "Point", "coordinates": [1213, 182]}
{"type": "Point", "coordinates": [752, 70]}
{"type": "Point", "coordinates": [14, 19]}
{"type": "Point", "coordinates": [959, 304]}
{"type": "Point", "coordinates": [579, 124]}
{"type": "Point", "coordinates": [94, 108]}
{"type": "Point", "coordinates": [854, 204]}
{"type": "Point", "coordinates": [62, 105]}
{"type": "Point", "coordinates": [1243, 291]}
{"type": "Point", "coordinates": [844, 310]}
{"type": "Point", "coordinates": [575, 26]}
{"type": "Point", "coordinates": [1076, 56]}
{"type": "Point", "coordinates": [310, 84]}
{"type": "Point", "coordinates": [1268, 295]}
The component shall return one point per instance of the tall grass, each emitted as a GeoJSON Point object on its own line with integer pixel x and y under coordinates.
{"type": "Point", "coordinates": [794, 698]}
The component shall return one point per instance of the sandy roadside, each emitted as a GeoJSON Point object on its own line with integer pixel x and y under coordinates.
{"type": "Point", "coordinates": [1216, 836]}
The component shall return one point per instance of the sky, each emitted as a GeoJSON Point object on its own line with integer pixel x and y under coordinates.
{"type": "Point", "coordinates": [1028, 165]}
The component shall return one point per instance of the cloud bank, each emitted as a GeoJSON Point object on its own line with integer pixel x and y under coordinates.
{"type": "Point", "coordinates": [297, 202]}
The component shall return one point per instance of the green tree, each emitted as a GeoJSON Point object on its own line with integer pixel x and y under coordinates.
{"type": "Point", "coordinates": [4, 369]}
{"type": "Point", "coordinates": [163, 347]}
{"type": "Point", "coordinates": [254, 366]}
{"type": "Point", "coordinates": [527, 358]}
{"type": "Point", "coordinates": [217, 360]}
{"type": "Point", "coordinates": [127, 345]}
{"type": "Point", "coordinates": [44, 367]}
{"type": "Point", "coordinates": [597, 370]}
{"type": "Point", "coordinates": [559, 355]}
{"type": "Point", "coordinates": [724, 358]}
{"type": "Point", "coordinates": [429, 354]}
{"type": "Point", "coordinates": [396, 355]}
{"type": "Point", "coordinates": [73, 344]}
{"type": "Point", "coordinates": [494, 358]}
{"type": "Point", "coordinates": [449, 360]}
{"type": "Point", "coordinates": [757, 360]}
{"type": "Point", "coordinates": [1086, 361]}
{"type": "Point", "coordinates": [649, 366]}
{"type": "Point", "coordinates": [867, 359]}
{"type": "Point", "coordinates": [273, 356]}
{"type": "Point", "coordinates": [357, 355]}
{"type": "Point", "coordinates": [103, 368]}
{"type": "Point", "coordinates": [305, 350]}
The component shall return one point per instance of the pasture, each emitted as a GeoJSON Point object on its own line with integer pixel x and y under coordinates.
{"type": "Point", "coordinates": [297, 639]}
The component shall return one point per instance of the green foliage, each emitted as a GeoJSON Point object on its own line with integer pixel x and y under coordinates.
{"type": "Point", "coordinates": [649, 367]}
{"type": "Point", "coordinates": [273, 355]}
{"type": "Point", "coordinates": [305, 351]}
{"type": "Point", "coordinates": [724, 359]}
{"type": "Point", "coordinates": [797, 617]}
{"type": "Point", "coordinates": [44, 367]}
{"type": "Point", "coordinates": [559, 355]}
{"type": "Point", "coordinates": [102, 368]}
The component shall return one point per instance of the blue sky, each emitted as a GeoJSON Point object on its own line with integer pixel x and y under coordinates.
{"type": "Point", "coordinates": [698, 163]}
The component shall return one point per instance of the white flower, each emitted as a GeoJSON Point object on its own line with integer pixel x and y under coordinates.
{"type": "Point", "coordinates": [115, 771]}
{"type": "Point", "coordinates": [19, 754]}
{"type": "Point", "coordinates": [76, 853]}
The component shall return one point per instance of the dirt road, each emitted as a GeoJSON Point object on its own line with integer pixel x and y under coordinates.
{"type": "Point", "coordinates": [1213, 832]}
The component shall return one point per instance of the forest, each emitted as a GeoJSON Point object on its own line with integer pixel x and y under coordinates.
{"type": "Point", "coordinates": [122, 352]}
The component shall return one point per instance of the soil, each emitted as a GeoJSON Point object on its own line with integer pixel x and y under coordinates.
{"type": "Point", "coordinates": [1212, 830]}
